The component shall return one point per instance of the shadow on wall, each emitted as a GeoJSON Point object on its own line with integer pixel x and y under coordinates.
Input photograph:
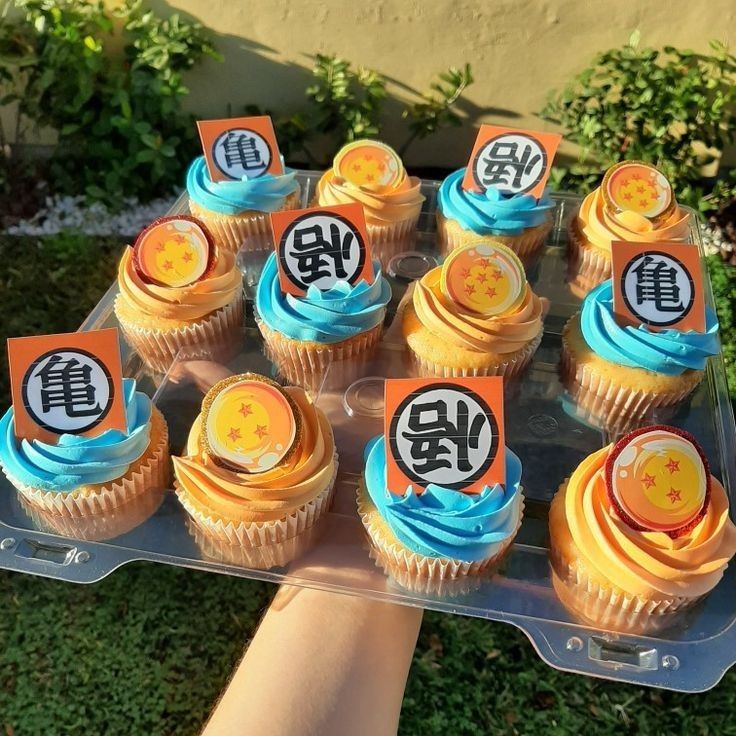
{"type": "Point", "coordinates": [250, 74]}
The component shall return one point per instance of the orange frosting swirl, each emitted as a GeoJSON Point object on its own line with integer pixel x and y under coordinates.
{"type": "Point", "coordinates": [601, 227]}
{"type": "Point", "coordinates": [402, 202]}
{"type": "Point", "coordinates": [269, 496]}
{"type": "Point", "coordinates": [500, 334]}
{"type": "Point", "coordinates": [642, 563]}
{"type": "Point", "coordinates": [187, 303]}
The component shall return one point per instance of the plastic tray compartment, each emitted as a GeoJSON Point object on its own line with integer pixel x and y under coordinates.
{"type": "Point", "coordinates": [541, 428]}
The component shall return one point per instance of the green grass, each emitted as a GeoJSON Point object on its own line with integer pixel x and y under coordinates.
{"type": "Point", "coordinates": [147, 650]}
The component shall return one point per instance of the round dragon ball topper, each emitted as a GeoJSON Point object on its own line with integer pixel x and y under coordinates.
{"type": "Point", "coordinates": [368, 164]}
{"type": "Point", "coordinates": [174, 251]}
{"type": "Point", "coordinates": [484, 278]}
{"type": "Point", "coordinates": [658, 480]}
{"type": "Point", "coordinates": [249, 423]}
{"type": "Point", "coordinates": [633, 186]}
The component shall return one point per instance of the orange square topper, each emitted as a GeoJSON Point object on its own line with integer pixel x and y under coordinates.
{"type": "Point", "coordinates": [444, 431]}
{"type": "Point", "coordinates": [510, 160]}
{"type": "Point", "coordinates": [237, 148]}
{"type": "Point", "coordinates": [320, 246]}
{"type": "Point", "coordinates": [659, 285]}
{"type": "Point", "coordinates": [66, 384]}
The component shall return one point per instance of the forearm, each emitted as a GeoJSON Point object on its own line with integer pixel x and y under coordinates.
{"type": "Point", "coordinates": [321, 663]}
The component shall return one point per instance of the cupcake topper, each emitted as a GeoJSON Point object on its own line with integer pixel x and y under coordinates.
{"type": "Point", "coordinates": [658, 480]}
{"type": "Point", "coordinates": [638, 188]}
{"type": "Point", "coordinates": [66, 384]}
{"type": "Point", "coordinates": [659, 285]}
{"type": "Point", "coordinates": [249, 423]}
{"type": "Point", "coordinates": [369, 165]}
{"type": "Point", "coordinates": [485, 278]}
{"type": "Point", "coordinates": [240, 148]}
{"type": "Point", "coordinates": [174, 251]}
{"type": "Point", "coordinates": [444, 431]}
{"type": "Point", "coordinates": [511, 161]}
{"type": "Point", "coordinates": [320, 247]}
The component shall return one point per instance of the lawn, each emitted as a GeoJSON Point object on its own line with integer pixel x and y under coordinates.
{"type": "Point", "coordinates": [147, 650]}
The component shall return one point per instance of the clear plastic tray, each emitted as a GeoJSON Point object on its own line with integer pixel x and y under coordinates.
{"type": "Point", "coordinates": [541, 428]}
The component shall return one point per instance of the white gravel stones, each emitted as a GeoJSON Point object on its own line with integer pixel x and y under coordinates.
{"type": "Point", "coordinates": [72, 213]}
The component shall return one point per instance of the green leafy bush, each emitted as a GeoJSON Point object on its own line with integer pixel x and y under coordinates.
{"type": "Point", "coordinates": [670, 107]}
{"type": "Point", "coordinates": [117, 111]}
{"type": "Point", "coordinates": [723, 279]}
{"type": "Point", "coordinates": [344, 104]}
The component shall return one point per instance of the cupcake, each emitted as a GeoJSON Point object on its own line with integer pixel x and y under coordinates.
{"type": "Point", "coordinates": [639, 532]}
{"type": "Point", "coordinates": [78, 476]}
{"type": "Point", "coordinates": [237, 212]}
{"type": "Point", "coordinates": [425, 539]}
{"type": "Point", "coordinates": [259, 464]}
{"type": "Point", "coordinates": [196, 314]}
{"type": "Point", "coordinates": [306, 334]}
{"type": "Point", "coordinates": [520, 221]}
{"type": "Point", "coordinates": [473, 316]}
{"type": "Point", "coordinates": [622, 373]}
{"type": "Point", "coordinates": [372, 174]}
{"type": "Point", "coordinates": [614, 211]}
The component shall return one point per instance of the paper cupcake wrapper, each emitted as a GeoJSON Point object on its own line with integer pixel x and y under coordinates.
{"type": "Point", "coordinates": [415, 571]}
{"type": "Point", "coordinates": [388, 241]}
{"type": "Point", "coordinates": [511, 367]}
{"type": "Point", "coordinates": [259, 533]}
{"type": "Point", "coordinates": [616, 406]}
{"type": "Point", "coordinates": [250, 230]}
{"type": "Point", "coordinates": [303, 363]}
{"type": "Point", "coordinates": [526, 244]}
{"type": "Point", "coordinates": [258, 558]}
{"type": "Point", "coordinates": [150, 472]}
{"type": "Point", "coordinates": [98, 527]}
{"type": "Point", "coordinates": [218, 336]}
{"type": "Point", "coordinates": [588, 266]}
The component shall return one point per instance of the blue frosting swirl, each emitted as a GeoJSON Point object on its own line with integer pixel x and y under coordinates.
{"type": "Point", "coordinates": [490, 212]}
{"type": "Point", "coordinates": [441, 522]}
{"type": "Point", "coordinates": [266, 193]}
{"type": "Point", "coordinates": [322, 316]}
{"type": "Point", "coordinates": [669, 352]}
{"type": "Point", "coordinates": [74, 460]}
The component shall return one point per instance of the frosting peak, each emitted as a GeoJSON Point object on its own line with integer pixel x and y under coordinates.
{"type": "Point", "coordinates": [322, 316]}
{"type": "Point", "coordinates": [500, 334]}
{"type": "Point", "coordinates": [75, 461]}
{"type": "Point", "coordinates": [669, 352]}
{"type": "Point", "coordinates": [642, 563]}
{"type": "Point", "coordinates": [266, 496]}
{"type": "Point", "coordinates": [491, 212]}
{"type": "Point", "coordinates": [265, 193]}
{"type": "Point", "coordinates": [441, 522]}
{"type": "Point", "coordinates": [186, 303]}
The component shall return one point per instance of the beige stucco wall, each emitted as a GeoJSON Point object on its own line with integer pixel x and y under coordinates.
{"type": "Point", "coordinates": [519, 50]}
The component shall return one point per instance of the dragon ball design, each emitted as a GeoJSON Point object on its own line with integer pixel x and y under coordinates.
{"type": "Point", "coordinates": [249, 423]}
{"type": "Point", "coordinates": [658, 480]}
{"type": "Point", "coordinates": [484, 278]}
{"type": "Point", "coordinates": [368, 164]}
{"type": "Point", "coordinates": [173, 251]}
{"type": "Point", "coordinates": [633, 186]}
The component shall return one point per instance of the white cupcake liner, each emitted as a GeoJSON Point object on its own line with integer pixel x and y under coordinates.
{"type": "Point", "coordinates": [302, 364]}
{"type": "Point", "coordinates": [615, 405]}
{"type": "Point", "coordinates": [250, 230]}
{"type": "Point", "coordinates": [151, 472]}
{"type": "Point", "coordinates": [526, 245]}
{"type": "Point", "coordinates": [419, 572]}
{"type": "Point", "coordinates": [609, 606]}
{"type": "Point", "coordinates": [509, 368]}
{"type": "Point", "coordinates": [260, 533]}
{"type": "Point", "coordinates": [217, 336]}
{"type": "Point", "coordinates": [588, 266]}
{"type": "Point", "coordinates": [263, 557]}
